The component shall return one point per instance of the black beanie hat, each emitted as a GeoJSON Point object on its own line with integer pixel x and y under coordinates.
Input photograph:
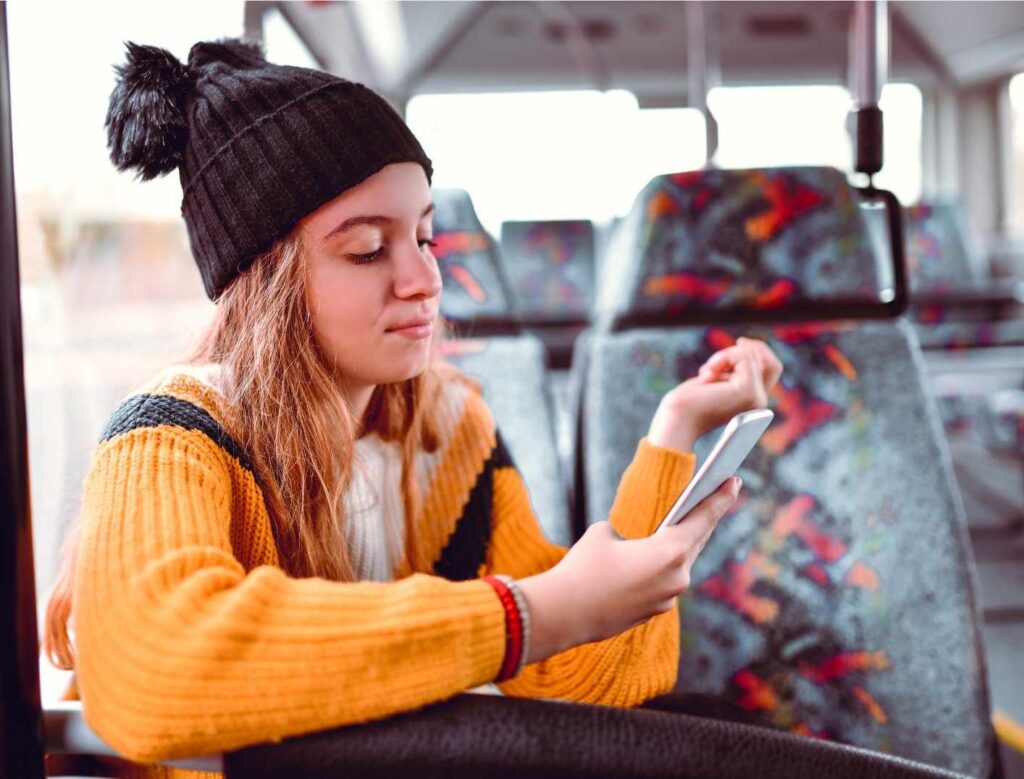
{"type": "Point", "coordinates": [257, 146]}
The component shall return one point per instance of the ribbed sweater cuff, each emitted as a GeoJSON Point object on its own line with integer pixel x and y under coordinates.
{"type": "Point", "coordinates": [649, 487]}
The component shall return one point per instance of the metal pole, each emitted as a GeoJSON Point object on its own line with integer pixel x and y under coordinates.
{"type": "Point", "coordinates": [252, 20]}
{"type": "Point", "coordinates": [21, 732]}
{"type": "Point", "coordinates": [702, 67]}
{"type": "Point", "coordinates": [869, 57]}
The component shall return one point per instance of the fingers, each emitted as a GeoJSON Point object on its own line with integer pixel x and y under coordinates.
{"type": "Point", "coordinates": [701, 522]}
{"type": "Point", "coordinates": [721, 361]}
{"type": "Point", "coordinates": [770, 365]}
{"type": "Point", "coordinates": [734, 361]}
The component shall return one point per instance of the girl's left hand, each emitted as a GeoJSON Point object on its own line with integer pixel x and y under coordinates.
{"type": "Point", "coordinates": [733, 380]}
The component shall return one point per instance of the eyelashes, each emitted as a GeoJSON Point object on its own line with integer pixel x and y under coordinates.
{"type": "Point", "coordinates": [363, 259]}
{"type": "Point", "coordinates": [376, 254]}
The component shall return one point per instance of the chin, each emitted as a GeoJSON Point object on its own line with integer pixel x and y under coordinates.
{"type": "Point", "coordinates": [408, 369]}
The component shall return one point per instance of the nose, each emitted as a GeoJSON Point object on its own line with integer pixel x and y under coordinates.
{"type": "Point", "coordinates": [416, 274]}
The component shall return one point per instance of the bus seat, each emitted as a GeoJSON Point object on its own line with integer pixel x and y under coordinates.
{"type": "Point", "coordinates": [515, 383]}
{"type": "Point", "coordinates": [477, 298]}
{"type": "Point", "coordinates": [551, 267]}
{"type": "Point", "coordinates": [508, 364]}
{"type": "Point", "coordinates": [957, 305]}
{"type": "Point", "coordinates": [837, 600]}
{"type": "Point", "coordinates": [1007, 407]}
{"type": "Point", "coordinates": [960, 309]}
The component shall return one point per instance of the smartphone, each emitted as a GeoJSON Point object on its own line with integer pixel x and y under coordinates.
{"type": "Point", "coordinates": [737, 440]}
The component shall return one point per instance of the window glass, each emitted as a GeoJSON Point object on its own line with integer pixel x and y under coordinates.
{"type": "Point", "coordinates": [807, 125]}
{"type": "Point", "coordinates": [1016, 215]}
{"type": "Point", "coordinates": [553, 155]}
{"type": "Point", "coordinates": [109, 289]}
{"type": "Point", "coordinates": [282, 45]}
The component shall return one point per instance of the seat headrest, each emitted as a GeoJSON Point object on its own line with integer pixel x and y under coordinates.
{"type": "Point", "coordinates": [938, 257]}
{"type": "Point", "coordinates": [741, 240]}
{"type": "Point", "coordinates": [551, 265]}
{"type": "Point", "coordinates": [469, 261]}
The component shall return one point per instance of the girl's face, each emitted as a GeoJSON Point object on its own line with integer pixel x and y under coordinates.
{"type": "Point", "coordinates": [372, 284]}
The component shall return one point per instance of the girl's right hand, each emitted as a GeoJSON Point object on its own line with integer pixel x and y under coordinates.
{"type": "Point", "coordinates": [606, 584]}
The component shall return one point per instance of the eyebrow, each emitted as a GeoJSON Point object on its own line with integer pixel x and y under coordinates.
{"type": "Point", "coordinates": [355, 221]}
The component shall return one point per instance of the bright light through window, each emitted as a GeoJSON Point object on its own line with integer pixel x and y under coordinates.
{"type": "Point", "coordinates": [767, 126]}
{"type": "Point", "coordinates": [902, 113]}
{"type": "Point", "coordinates": [806, 125]}
{"type": "Point", "coordinates": [1017, 142]}
{"type": "Point", "coordinates": [553, 155]}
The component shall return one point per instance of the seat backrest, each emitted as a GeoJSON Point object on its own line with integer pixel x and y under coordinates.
{"type": "Point", "coordinates": [509, 367]}
{"type": "Point", "coordinates": [474, 287]}
{"type": "Point", "coordinates": [551, 267]}
{"type": "Point", "coordinates": [939, 254]}
{"type": "Point", "coordinates": [511, 372]}
{"type": "Point", "coordinates": [837, 600]}
{"type": "Point", "coordinates": [722, 240]}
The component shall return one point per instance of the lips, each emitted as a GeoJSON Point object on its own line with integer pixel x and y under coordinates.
{"type": "Point", "coordinates": [419, 328]}
{"type": "Point", "coordinates": [411, 323]}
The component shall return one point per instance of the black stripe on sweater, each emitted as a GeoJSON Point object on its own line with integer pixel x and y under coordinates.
{"type": "Point", "coordinates": [153, 410]}
{"type": "Point", "coordinates": [467, 547]}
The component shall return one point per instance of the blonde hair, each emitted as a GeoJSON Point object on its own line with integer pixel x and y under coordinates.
{"type": "Point", "coordinates": [294, 425]}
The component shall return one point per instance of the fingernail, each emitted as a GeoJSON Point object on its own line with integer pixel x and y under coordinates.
{"type": "Point", "coordinates": [739, 484]}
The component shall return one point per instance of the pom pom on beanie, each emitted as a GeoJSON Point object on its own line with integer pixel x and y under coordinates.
{"type": "Point", "coordinates": [146, 125]}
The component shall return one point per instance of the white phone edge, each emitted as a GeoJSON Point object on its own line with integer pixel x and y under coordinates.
{"type": "Point", "coordinates": [761, 417]}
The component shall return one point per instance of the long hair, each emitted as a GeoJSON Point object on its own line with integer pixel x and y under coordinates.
{"type": "Point", "coordinates": [294, 425]}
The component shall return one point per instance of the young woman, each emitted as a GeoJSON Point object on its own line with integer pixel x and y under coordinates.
{"type": "Point", "coordinates": [313, 522]}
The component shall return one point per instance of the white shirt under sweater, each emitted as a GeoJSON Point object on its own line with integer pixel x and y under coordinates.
{"type": "Point", "coordinates": [374, 511]}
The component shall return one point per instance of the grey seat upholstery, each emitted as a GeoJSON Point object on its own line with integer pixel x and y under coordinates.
{"type": "Point", "coordinates": [837, 600]}
{"type": "Point", "coordinates": [510, 367]}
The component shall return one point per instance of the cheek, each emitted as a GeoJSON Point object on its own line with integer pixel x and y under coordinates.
{"type": "Point", "coordinates": [344, 309]}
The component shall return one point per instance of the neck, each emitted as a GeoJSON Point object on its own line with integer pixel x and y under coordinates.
{"type": "Point", "coordinates": [358, 398]}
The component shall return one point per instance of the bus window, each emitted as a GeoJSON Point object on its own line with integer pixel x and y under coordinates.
{"type": "Point", "coordinates": [505, 147]}
{"type": "Point", "coordinates": [806, 125]}
{"type": "Point", "coordinates": [110, 292]}
{"type": "Point", "coordinates": [1015, 213]}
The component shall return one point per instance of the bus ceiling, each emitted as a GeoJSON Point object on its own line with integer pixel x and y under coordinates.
{"type": "Point", "coordinates": [646, 47]}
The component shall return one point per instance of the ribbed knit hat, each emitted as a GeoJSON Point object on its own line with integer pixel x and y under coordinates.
{"type": "Point", "coordinates": [257, 146]}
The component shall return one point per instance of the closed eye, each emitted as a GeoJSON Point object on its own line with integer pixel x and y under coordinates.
{"type": "Point", "coordinates": [361, 259]}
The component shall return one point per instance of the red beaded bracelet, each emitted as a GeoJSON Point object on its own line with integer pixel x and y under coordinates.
{"type": "Point", "coordinates": [513, 629]}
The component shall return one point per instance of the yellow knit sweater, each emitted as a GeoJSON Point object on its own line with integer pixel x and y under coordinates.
{"type": "Point", "coordinates": [191, 640]}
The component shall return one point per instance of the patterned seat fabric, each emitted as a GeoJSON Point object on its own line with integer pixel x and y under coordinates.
{"type": "Point", "coordinates": [720, 240]}
{"type": "Point", "coordinates": [551, 266]}
{"type": "Point", "coordinates": [970, 335]}
{"type": "Point", "coordinates": [837, 599]}
{"type": "Point", "coordinates": [941, 261]}
{"type": "Point", "coordinates": [510, 368]}
{"type": "Point", "coordinates": [474, 288]}
{"type": "Point", "coordinates": [938, 257]}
